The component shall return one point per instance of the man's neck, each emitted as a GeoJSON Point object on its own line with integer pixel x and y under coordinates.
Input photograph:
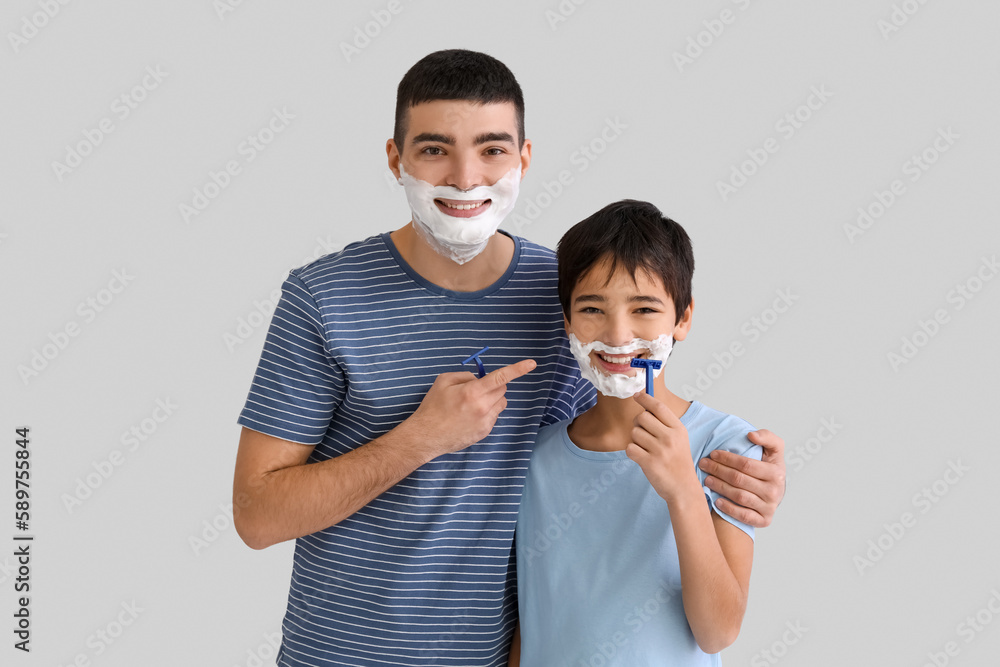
{"type": "Point", "coordinates": [607, 426]}
{"type": "Point", "coordinates": [478, 273]}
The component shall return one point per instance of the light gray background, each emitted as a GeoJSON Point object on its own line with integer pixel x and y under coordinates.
{"type": "Point", "coordinates": [323, 182]}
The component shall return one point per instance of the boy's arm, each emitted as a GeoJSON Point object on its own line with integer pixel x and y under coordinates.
{"type": "Point", "coordinates": [715, 557]}
{"type": "Point", "coordinates": [751, 489]}
{"type": "Point", "coordinates": [515, 647]}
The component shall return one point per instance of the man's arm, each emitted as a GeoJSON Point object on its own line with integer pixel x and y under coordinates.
{"type": "Point", "coordinates": [751, 489]}
{"type": "Point", "coordinates": [277, 496]}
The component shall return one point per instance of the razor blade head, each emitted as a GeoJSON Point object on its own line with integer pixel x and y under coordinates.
{"type": "Point", "coordinates": [655, 364]}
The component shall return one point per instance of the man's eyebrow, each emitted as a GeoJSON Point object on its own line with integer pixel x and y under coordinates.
{"type": "Point", "coordinates": [489, 137]}
{"type": "Point", "coordinates": [432, 137]}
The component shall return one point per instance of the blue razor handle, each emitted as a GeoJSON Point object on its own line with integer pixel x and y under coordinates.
{"type": "Point", "coordinates": [648, 364]}
{"type": "Point", "coordinates": [479, 362]}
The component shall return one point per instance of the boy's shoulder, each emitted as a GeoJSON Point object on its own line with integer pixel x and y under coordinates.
{"type": "Point", "coordinates": [710, 429]}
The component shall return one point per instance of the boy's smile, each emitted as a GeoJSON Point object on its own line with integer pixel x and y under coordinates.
{"type": "Point", "coordinates": [619, 313]}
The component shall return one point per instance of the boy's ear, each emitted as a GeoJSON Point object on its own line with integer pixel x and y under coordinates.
{"type": "Point", "coordinates": [682, 328]}
{"type": "Point", "coordinates": [566, 324]}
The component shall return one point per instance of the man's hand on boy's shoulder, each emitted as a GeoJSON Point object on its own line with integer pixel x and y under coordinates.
{"type": "Point", "coordinates": [751, 490]}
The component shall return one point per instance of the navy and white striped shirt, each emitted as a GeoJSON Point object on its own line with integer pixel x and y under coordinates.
{"type": "Point", "coordinates": [424, 574]}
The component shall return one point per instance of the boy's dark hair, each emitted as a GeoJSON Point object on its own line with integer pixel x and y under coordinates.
{"type": "Point", "coordinates": [633, 235]}
{"type": "Point", "coordinates": [457, 74]}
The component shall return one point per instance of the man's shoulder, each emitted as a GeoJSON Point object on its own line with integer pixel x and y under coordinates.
{"type": "Point", "coordinates": [352, 257]}
{"type": "Point", "coordinates": [532, 252]}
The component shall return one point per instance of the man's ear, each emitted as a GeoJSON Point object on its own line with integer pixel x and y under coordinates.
{"type": "Point", "coordinates": [525, 156]}
{"type": "Point", "coordinates": [682, 328]}
{"type": "Point", "coordinates": [394, 157]}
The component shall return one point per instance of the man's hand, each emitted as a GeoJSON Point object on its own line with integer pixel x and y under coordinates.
{"type": "Point", "coordinates": [751, 490]}
{"type": "Point", "coordinates": [461, 409]}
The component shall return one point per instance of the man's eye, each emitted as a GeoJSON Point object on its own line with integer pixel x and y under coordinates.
{"type": "Point", "coordinates": [432, 150]}
{"type": "Point", "coordinates": [495, 151]}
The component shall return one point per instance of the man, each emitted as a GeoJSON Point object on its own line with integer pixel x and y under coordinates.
{"type": "Point", "coordinates": [398, 472]}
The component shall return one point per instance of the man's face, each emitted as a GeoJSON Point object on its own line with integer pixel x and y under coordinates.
{"type": "Point", "coordinates": [616, 311]}
{"type": "Point", "coordinates": [462, 144]}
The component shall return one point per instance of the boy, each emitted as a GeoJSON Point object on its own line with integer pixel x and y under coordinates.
{"type": "Point", "coordinates": [620, 559]}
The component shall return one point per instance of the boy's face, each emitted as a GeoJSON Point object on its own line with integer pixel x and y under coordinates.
{"type": "Point", "coordinates": [462, 144]}
{"type": "Point", "coordinates": [617, 312]}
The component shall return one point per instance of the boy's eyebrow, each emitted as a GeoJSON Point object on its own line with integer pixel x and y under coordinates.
{"type": "Point", "coordinates": [636, 298]}
{"type": "Point", "coordinates": [642, 298]}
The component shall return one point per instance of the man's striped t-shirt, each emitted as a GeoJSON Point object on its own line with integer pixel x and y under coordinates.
{"type": "Point", "coordinates": [424, 574]}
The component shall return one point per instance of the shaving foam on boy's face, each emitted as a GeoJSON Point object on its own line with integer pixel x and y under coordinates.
{"type": "Point", "coordinates": [461, 236]}
{"type": "Point", "coordinates": [620, 385]}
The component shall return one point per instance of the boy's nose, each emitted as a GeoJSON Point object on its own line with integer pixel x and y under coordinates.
{"type": "Point", "coordinates": [618, 333]}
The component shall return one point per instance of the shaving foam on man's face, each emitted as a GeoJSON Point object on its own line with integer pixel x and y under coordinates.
{"type": "Point", "coordinates": [615, 377]}
{"type": "Point", "coordinates": [459, 223]}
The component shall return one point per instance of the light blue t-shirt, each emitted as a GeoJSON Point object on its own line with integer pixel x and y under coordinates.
{"type": "Point", "coordinates": [597, 569]}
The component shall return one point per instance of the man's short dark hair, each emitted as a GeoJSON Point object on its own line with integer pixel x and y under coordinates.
{"type": "Point", "coordinates": [632, 235]}
{"type": "Point", "coordinates": [457, 74]}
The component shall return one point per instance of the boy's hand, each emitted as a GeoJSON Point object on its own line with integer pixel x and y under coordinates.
{"type": "Point", "coordinates": [660, 447]}
{"type": "Point", "coordinates": [751, 489]}
{"type": "Point", "coordinates": [460, 409]}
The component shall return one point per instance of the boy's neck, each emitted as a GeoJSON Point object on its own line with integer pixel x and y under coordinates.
{"type": "Point", "coordinates": [477, 274]}
{"type": "Point", "coordinates": [607, 426]}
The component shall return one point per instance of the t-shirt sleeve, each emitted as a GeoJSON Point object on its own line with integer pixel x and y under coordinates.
{"type": "Point", "coordinates": [575, 396]}
{"type": "Point", "coordinates": [297, 385]}
{"type": "Point", "coordinates": [731, 437]}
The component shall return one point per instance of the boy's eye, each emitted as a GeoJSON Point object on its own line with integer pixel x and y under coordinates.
{"type": "Point", "coordinates": [589, 310]}
{"type": "Point", "coordinates": [646, 311]}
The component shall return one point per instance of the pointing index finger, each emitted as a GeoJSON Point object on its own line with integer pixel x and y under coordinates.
{"type": "Point", "coordinates": [501, 376]}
